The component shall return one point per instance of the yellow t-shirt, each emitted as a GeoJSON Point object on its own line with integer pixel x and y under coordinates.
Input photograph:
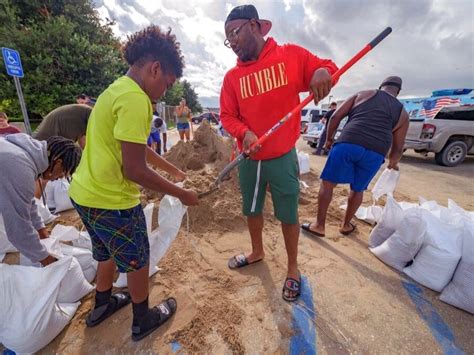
{"type": "Point", "coordinates": [122, 112]}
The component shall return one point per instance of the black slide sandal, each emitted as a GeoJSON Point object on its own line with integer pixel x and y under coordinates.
{"type": "Point", "coordinates": [165, 311]}
{"type": "Point", "coordinates": [99, 314]}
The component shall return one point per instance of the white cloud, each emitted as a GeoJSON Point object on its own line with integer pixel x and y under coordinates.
{"type": "Point", "coordinates": [431, 45]}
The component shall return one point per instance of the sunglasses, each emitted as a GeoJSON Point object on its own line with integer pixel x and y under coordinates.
{"type": "Point", "coordinates": [234, 33]}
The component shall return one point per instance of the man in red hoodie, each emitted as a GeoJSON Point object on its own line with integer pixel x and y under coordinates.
{"type": "Point", "coordinates": [262, 88]}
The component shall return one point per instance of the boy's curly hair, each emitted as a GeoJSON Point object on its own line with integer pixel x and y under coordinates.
{"type": "Point", "coordinates": [152, 44]}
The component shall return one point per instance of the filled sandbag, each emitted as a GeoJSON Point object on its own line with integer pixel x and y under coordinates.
{"type": "Point", "coordinates": [402, 246]}
{"type": "Point", "coordinates": [371, 214]}
{"type": "Point", "coordinates": [28, 300]}
{"type": "Point", "coordinates": [390, 220]}
{"type": "Point", "coordinates": [460, 291]}
{"type": "Point", "coordinates": [170, 216]}
{"type": "Point", "coordinates": [435, 263]}
{"type": "Point", "coordinates": [303, 162]}
{"type": "Point", "coordinates": [74, 286]}
{"type": "Point", "coordinates": [62, 202]}
{"type": "Point", "coordinates": [84, 241]}
{"type": "Point", "coordinates": [44, 212]}
{"type": "Point", "coordinates": [148, 212]}
{"type": "Point", "coordinates": [85, 259]}
{"type": "Point", "coordinates": [386, 183]}
{"type": "Point", "coordinates": [64, 233]}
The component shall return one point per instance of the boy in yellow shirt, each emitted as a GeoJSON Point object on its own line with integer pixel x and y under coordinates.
{"type": "Point", "coordinates": [104, 189]}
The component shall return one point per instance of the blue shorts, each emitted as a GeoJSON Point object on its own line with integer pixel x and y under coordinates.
{"type": "Point", "coordinates": [352, 164]}
{"type": "Point", "coordinates": [120, 235]}
{"type": "Point", "coordinates": [153, 137]}
{"type": "Point", "coordinates": [182, 126]}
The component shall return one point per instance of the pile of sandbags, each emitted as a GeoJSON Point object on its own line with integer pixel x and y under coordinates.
{"type": "Point", "coordinates": [37, 303]}
{"type": "Point", "coordinates": [431, 244]}
{"type": "Point", "coordinates": [82, 255]}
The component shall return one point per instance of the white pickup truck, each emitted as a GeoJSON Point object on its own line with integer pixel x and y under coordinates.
{"type": "Point", "coordinates": [450, 135]}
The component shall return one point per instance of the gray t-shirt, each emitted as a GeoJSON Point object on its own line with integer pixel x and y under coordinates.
{"type": "Point", "coordinates": [68, 121]}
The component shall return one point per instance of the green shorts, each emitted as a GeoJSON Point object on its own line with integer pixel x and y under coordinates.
{"type": "Point", "coordinates": [282, 175]}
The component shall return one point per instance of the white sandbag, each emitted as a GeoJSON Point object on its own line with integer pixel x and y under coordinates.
{"type": "Point", "coordinates": [386, 183]}
{"type": "Point", "coordinates": [74, 286]}
{"type": "Point", "coordinates": [390, 220]}
{"type": "Point", "coordinates": [435, 263]}
{"type": "Point", "coordinates": [64, 233]}
{"type": "Point", "coordinates": [460, 291]}
{"type": "Point", "coordinates": [5, 245]}
{"type": "Point", "coordinates": [407, 205]}
{"type": "Point", "coordinates": [62, 202]}
{"type": "Point", "coordinates": [371, 214]}
{"type": "Point", "coordinates": [404, 244]}
{"type": "Point", "coordinates": [51, 245]}
{"type": "Point", "coordinates": [49, 194]}
{"type": "Point", "coordinates": [148, 212]}
{"type": "Point", "coordinates": [85, 259]}
{"type": "Point", "coordinates": [453, 206]}
{"type": "Point", "coordinates": [303, 162]}
{"type": "Point", "coordinates": [170, 216]}
{"type": "Point", "coordinates": [28, 301]}
{"type": "Point", "coordinates": [44, 212]}
{"type": "Point", "coordinates": [84, 241]}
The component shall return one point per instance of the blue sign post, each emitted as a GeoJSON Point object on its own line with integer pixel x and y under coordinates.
{"type": "Point", "coordinates": [14, 68]}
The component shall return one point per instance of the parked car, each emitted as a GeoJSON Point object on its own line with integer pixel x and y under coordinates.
{"type": "Point", "coordinates": [310, 116]}
{"type": "Point", "coordinates": [314, 130]}
{"type": "Point", "coordinates": [211, 117]}
{"type": "Point", "coordinates": [450, 135]}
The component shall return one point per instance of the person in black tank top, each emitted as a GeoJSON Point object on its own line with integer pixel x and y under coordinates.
{"type": "Point", "coordinates": [377, 124]}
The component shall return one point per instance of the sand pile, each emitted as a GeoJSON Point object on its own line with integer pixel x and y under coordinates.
{"type": "Point", "coordinates": [202, 159]}
{"type": "Point", "coordinates": [206, 147]}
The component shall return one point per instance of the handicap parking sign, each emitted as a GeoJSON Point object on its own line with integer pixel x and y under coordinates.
{"type": "Point", "coordinates": [12, 62]}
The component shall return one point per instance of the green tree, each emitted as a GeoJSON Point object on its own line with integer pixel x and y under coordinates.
{"type": "Point", "coordinates": [65, 51]}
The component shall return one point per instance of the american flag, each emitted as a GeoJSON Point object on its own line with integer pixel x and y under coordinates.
{"type": "Point", "coordinates": [431, 107]}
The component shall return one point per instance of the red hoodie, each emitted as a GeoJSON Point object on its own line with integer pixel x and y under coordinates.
{"type": "Point", "coordinates": [257, 94]}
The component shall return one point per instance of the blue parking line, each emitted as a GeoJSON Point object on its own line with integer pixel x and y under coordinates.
{"type": "Point", "coordinates": [439, 329]}
{"type": "Point", "coordinates": [304, 339]}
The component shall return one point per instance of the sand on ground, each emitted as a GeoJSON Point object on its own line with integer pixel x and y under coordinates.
{"type": "Point", "coordinates": [360, 302]}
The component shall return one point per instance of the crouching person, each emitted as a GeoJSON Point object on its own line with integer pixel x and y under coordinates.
{"type": "Point", "coordinates": [105, 190]}
{"type": "Point", "coordinates": [23, 160]}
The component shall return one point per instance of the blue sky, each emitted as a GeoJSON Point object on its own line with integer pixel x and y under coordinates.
{"type": "Point", "coordinates": [431, 46]}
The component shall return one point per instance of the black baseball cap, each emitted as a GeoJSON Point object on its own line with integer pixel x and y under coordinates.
{"type": "Point", "coordinates": [248, 12]}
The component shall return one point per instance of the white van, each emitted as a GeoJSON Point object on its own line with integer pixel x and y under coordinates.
{"type": "Point", "coordinates": [310, 115]}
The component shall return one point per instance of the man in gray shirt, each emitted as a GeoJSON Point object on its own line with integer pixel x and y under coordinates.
{"type": "Point", "coordinates": [68, 121]}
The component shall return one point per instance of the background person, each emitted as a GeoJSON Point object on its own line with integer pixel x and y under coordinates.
{"type": "Point", "coordinates": [183, 116]}
{"type": "Point", "coordinates": [68, 121]}
{"type": "Point", "coordinates": [250, 105]}
{"type": "Point", "coordinates": [377, 123]}
{"type": "Point", "coordinates": [5, 127]}
{"type": "Point", "coordinates": [27, 160]}
{"type": "Point", "coordinates": [158, 129]}
{"type": "Point", "coordinates": [325, 120]}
